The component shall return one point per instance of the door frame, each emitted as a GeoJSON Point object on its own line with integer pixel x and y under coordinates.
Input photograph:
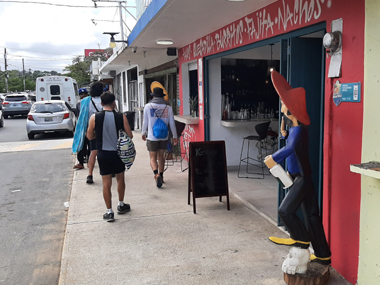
{"type": "Point", "coordinates": [280, 38]}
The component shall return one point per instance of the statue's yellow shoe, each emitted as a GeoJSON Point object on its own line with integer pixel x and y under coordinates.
{"type": "Point", "coordinates": [320, 260]}
{"type": "Point", "coordinates": [290, 242]}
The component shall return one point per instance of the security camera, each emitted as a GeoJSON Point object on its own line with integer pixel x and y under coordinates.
{"type": "Point", "coordinates": [134, 49]}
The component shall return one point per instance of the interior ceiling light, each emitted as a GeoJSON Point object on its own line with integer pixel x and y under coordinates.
{"type": "Point", "coordinates": [164, 42]}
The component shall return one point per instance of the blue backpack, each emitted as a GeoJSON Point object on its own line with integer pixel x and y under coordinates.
{"type": "Point", "coordinates": [160, 129]}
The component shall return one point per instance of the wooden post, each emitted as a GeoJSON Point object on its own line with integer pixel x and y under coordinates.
{"type": "Point", "coordinates": [316, 274]}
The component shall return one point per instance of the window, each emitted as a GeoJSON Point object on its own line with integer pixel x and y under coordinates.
{"type": "Point", "coordinates": [76, 89]}
{"type": "Point", "coordinates": [15, 98]}
{"type": "Point", "coordinates": [55, 90]}
{"type": "Point", "coordinates": [48, 108]}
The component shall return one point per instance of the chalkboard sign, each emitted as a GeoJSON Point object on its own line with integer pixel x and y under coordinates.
{"type": "Point", "coordinates": [207, 171]}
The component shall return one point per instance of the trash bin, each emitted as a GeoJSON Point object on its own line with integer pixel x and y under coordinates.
{"type": "Point", "coordinates": [131, 119]}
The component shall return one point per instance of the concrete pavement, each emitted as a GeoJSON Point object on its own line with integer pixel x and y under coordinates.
{"type": "Point", "coordinates": [161, 241]}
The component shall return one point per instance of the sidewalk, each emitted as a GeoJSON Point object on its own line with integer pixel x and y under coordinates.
{"type": "Point", "coordinates": [161, 241]}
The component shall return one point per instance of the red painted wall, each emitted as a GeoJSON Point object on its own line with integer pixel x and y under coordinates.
{"type": "Point", "coordinates": [343, 124]}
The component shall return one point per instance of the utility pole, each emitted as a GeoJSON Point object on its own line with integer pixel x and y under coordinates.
{"type": "Point", "coordinates": [6, 70]}
{"type": "Point", "coordinates": [23, 73]}
{"type": "Point", "coordinates": [121, 22]}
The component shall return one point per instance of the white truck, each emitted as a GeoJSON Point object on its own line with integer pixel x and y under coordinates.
{"type": "Point", "coordinates": [57, 88]}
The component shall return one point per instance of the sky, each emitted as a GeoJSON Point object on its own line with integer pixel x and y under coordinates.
{"type": "Point", "coordinates": [48, 37]}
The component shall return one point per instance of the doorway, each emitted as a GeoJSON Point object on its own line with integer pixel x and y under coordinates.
{"type": "Point", "coordinates": [301, 59]}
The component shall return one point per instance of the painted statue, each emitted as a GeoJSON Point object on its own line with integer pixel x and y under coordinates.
{"type": "Point", "coordinates": [301, 193]}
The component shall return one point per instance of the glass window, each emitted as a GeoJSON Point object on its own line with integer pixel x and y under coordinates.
{"type": "Point", "coordinates": [48, 108]}
{"type": "Point", "coordinates": [15, 98]}
{"type": "Point", "coordinates": [76, 89]}
{"type": "Point", "coordinates": [55, 90]}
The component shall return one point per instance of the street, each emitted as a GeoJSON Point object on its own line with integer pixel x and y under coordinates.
{"type": "Point", "coordinates": [14, 130]}
{"type": "Point", "coordinates": [34, 186]}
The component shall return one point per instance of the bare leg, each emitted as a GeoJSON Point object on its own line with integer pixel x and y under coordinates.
{"type": "Point", "coordinates": [153, 160]}
{"type": "Point", "coordinates": [161, 160]}
{"type": "Point", "coordinates": [107, 195]}
{"type": "Point", "coordinates": [91, 161]}
{"type": "Point", "coordinates": [120, 185]}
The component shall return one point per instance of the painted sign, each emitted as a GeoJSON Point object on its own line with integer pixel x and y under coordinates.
{"type": "Point", "coordinates": [267, 22]}
{"type": "Point", "coordinates": [337, 93]}
{"type": "Point", "coordinates": [96, 52]}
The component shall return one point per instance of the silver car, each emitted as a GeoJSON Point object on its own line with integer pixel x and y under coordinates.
{"type": "Point", "coordinates": [50, 116]}
{"type": "Point", "coordinates": [16, 104]}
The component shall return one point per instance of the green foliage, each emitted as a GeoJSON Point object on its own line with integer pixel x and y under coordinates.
{"type": "Point", "coordinates": [79, 70]}
{"type": "Point", "coordinates": [15, 79]}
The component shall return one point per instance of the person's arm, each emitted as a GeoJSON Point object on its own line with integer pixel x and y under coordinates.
{"type": "Point", "coordinates": [127, 127]}
{"type": "Point", "coordinates": [144, 129]}
{"type": "Point", "coordinates": [172, 125]}
{"type": "Point", "coordinates": [91, 128]}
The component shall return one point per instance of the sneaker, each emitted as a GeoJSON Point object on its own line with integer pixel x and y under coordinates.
{"type": "Point", "coordinates": [78, 166]}
{"type": "Point", "coordinates": [123, 209]}
{"type": "Point", "coordinates": [158, 179]}
{"type": "Point", "coordinates": [109, 217]}
{"type": "Point", "coordinates": [89, 179]}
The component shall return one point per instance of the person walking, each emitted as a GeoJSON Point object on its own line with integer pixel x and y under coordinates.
{"type": "Point", "coordinates": [156, 109]}
{"type": "Point", "coordinates": [103, 128]}
{"type": "Point", "coordinates": [84, 152]}
{"type": "Point", "coordinates": [94, 107]}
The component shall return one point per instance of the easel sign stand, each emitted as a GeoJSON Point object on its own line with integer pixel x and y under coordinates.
{"type": "Point", "coordinates": [207, 171]}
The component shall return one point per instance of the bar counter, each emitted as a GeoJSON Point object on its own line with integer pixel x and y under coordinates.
{"type": "Point", "coordinates": [244, 123]}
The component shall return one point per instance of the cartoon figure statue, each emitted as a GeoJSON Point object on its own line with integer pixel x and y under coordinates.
{"type": "Point", "coordinates": [301, 193]}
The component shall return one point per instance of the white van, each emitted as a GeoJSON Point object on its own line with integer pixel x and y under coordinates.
{"type": "Point", "coordinates": [57, 88]}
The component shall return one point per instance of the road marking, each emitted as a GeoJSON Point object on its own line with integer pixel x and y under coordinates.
{"type": "Point", "coordinates": [38, 145]}
{"type": "Point", "coordinates": [25, 146]}
{"type": "Point", "coordinates": [63, 145]}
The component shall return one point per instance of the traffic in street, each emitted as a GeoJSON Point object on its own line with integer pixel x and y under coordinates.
{"type": "Point", "coordinates": [36, 177]}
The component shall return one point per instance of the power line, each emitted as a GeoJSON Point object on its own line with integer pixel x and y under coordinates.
{"type": "Point", "coordinates": [60, 5]}
{"type": "Point", "coordinates": [40, 57]}
{"type": "Point", "coordinates": [40, 51]}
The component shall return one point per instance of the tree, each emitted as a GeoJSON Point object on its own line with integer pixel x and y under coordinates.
{"type": "Point", "coordinates": [79, 70]}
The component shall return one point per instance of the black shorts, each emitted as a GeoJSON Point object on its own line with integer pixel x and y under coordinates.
{"type": "Point", "coordinates": [93, 145]}
{"type": "Point", "coordinates": [156, 145]}
{"type": "Point", "coordinates": [110, 162]}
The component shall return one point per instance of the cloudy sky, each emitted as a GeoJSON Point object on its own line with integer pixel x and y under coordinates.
{"type": "Point", "coordinates": [47, 37]}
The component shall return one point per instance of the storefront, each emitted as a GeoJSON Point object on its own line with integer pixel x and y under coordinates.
{"type": "Point", "coordinates": [235, 94]}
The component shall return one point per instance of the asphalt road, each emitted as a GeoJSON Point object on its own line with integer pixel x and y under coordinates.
{"type": "Point", "coordinates": [33, 187]}
{"type": "Point", "coordinates": [14, 130]}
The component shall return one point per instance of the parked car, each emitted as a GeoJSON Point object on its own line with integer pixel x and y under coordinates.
{"type": "Point", "coordinates": [1, 116]}
{"type": "Point", "coordinates": [16, 104]}
{"type": "Point", "coordinates": [50, 116]}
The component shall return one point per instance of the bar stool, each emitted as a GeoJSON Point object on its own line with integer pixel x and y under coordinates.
{"type": "Point", "coordinates": [262, 130]}
{"type": "Point", "coordinates": [172, 153]}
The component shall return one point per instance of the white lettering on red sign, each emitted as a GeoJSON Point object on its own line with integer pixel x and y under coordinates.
{"type": "Point", "coordinates": [257, 26]}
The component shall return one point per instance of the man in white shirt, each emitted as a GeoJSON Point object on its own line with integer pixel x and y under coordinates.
{"type": "Point", "coordinates": [157, 108]}
{"type": "Point", "coordinates": [94, 107]}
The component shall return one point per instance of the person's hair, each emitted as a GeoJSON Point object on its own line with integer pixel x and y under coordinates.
{"type": "Point", "coordinates": [107, 98]}
{"type": "Point", "coordinates": [96, 89]}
